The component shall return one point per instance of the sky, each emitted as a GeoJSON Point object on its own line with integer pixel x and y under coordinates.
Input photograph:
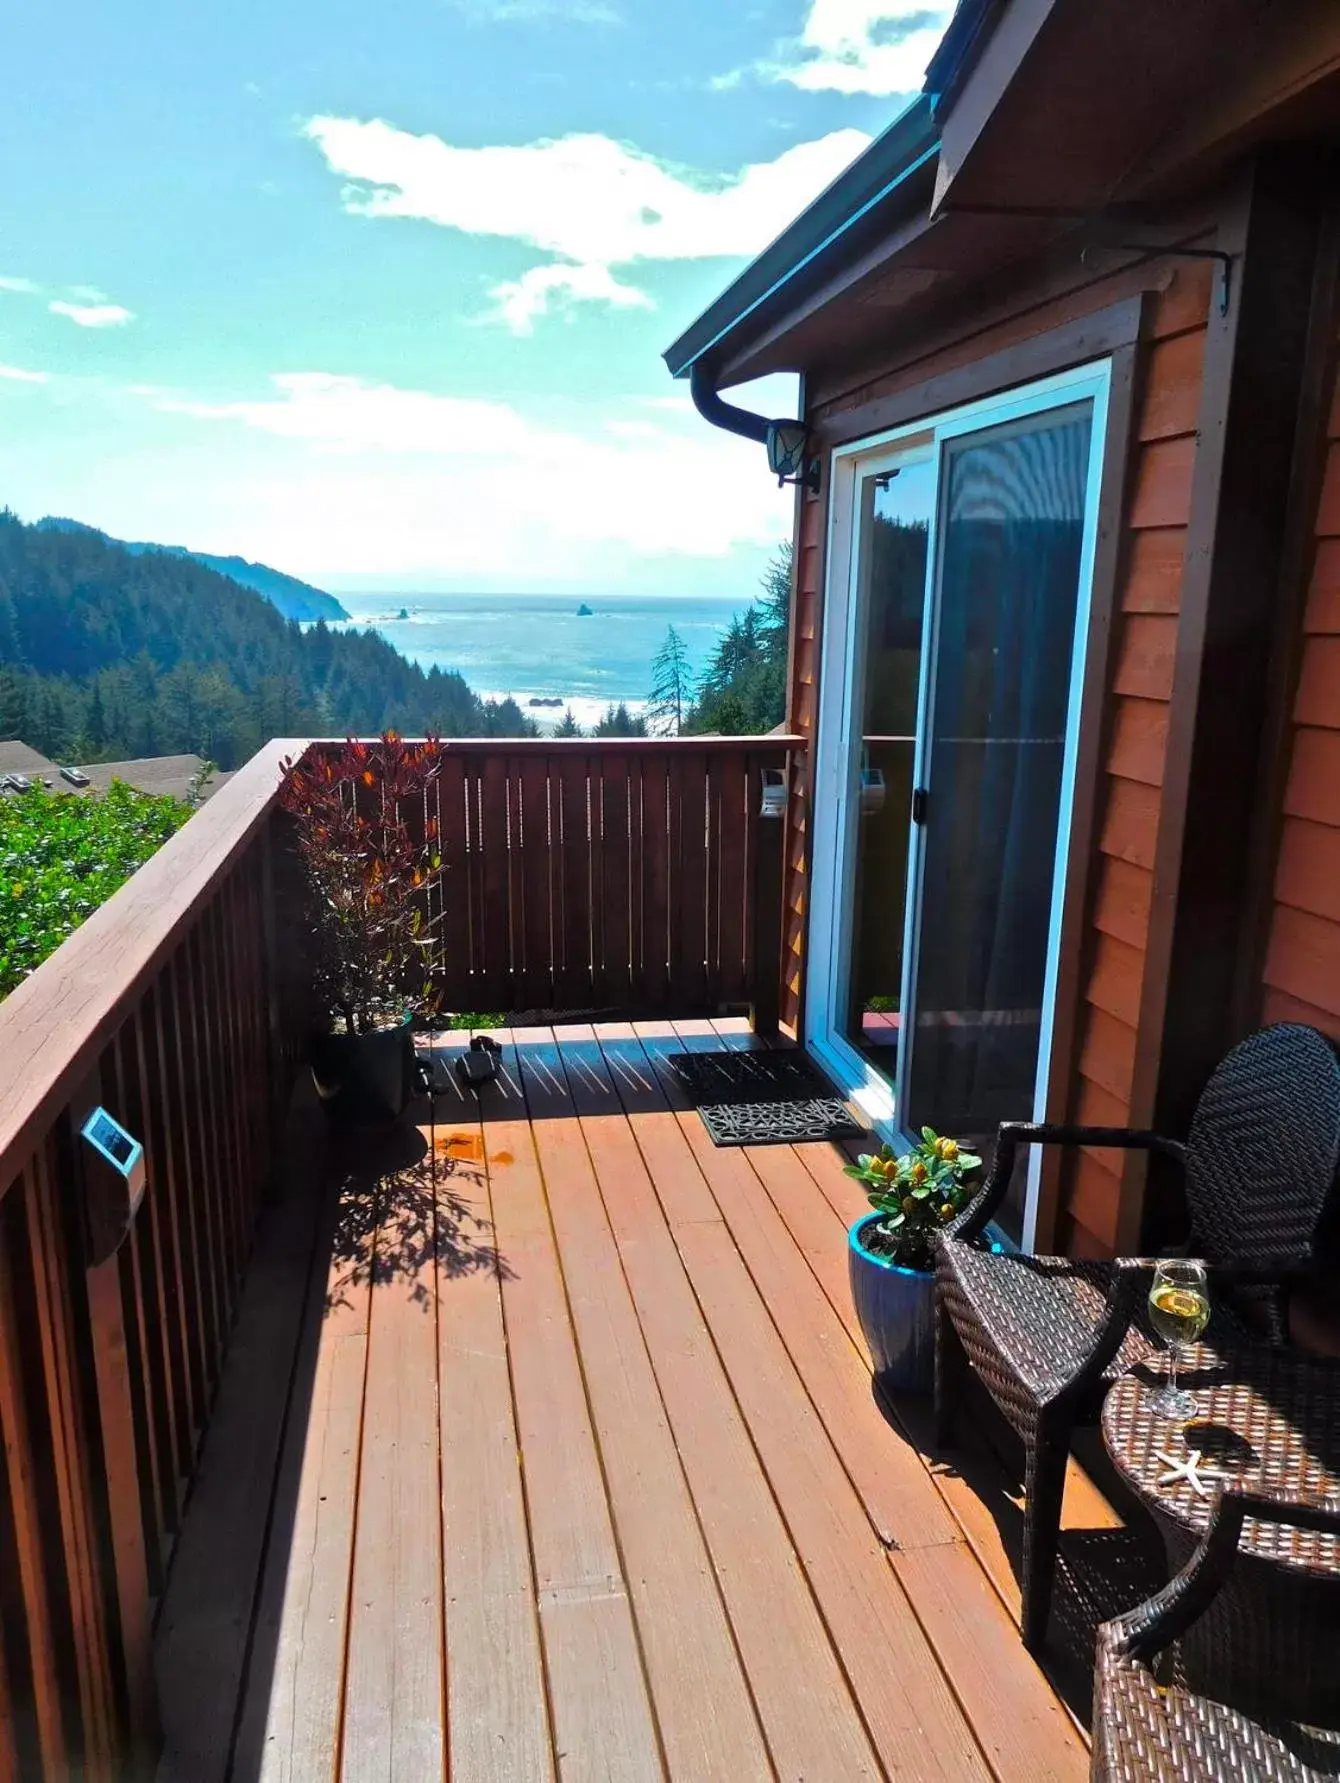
{"type": "Point", "coordinates": [378, 294]}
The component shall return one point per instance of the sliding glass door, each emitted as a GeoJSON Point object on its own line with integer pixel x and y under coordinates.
{"type": "Point", "coordinates": [954, 637]}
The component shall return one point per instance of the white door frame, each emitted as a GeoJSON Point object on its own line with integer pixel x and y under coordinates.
{"type": "Point", "coordinates": [835, 787]}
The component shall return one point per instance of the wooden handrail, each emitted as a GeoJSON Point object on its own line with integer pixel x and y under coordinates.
{"type": "Point", "coordinates": [709, 745]}
{"type": "Point", "coordinates": [54, 1024]}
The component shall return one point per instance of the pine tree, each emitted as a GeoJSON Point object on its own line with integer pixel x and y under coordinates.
{"type": "Point", "coordinates": [743, 690]}
{"type": "Point", "coordinates": [671, 694]}
{"type": "Point", "coordinates": [567, 726]}
{"type": "Point", "coordinates": [619, 722]}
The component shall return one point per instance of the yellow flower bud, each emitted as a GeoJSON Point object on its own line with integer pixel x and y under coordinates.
{"type": "Point", "coordinates": [948, 1149]}
{"type": "Point", "coordinates": [918, 1172]}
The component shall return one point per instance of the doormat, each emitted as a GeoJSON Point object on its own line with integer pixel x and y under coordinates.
{"type": "Point", "coordinates": [762, 1098]}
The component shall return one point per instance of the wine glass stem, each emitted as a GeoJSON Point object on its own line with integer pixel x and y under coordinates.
{"type": "Point", "coordinates": [1173, 1358]}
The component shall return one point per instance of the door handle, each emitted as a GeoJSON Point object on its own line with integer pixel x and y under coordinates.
{"type": "Point", "coordinates": [919, 800]}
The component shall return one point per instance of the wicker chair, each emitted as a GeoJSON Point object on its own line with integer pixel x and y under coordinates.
{"type": "Point", "coordinates": [1152, 1724]}
{"type": "Point", "coordinates": [1048, 1334]}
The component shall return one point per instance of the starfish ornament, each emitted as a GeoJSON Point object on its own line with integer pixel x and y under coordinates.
{"type": "Point", "coordinates": [1188, 1469]}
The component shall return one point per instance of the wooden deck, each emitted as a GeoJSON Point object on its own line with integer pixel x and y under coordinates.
{"type": "Point", "coordinates": [547, 1449]}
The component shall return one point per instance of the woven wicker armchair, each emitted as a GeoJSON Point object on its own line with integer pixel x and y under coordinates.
{"type": "Point", "coordinates": [1047, 1335]}
{"type": "Point", "coordinates": [1153, 1725]}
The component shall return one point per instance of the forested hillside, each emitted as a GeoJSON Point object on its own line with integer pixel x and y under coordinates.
{"type": "Point", "coordinates": [295, 599]}
{"type": "Point", "coordinates": [106, 655]}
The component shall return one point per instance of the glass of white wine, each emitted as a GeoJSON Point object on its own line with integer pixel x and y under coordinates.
{"type": "Point", "coordinates": [1179, 1310]}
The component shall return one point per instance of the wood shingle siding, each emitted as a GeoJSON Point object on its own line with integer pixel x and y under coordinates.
{"type": "Point", "coordinates": [1143, 657]}
{"type": "Point", "coordinates": [1301, 974]}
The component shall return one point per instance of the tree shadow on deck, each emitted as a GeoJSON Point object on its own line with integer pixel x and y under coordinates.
{"type": "Point", "coordinates": [404, 1204]}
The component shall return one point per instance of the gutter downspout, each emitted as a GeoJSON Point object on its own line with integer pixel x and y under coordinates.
{"type": "Point", "coordinates": [714, 408]}
{"type": "Point", "coordinates": [721, 413]}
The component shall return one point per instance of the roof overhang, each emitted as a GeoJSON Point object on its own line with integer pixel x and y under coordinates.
{"type": "Point", "coordinates": [1042, 119]}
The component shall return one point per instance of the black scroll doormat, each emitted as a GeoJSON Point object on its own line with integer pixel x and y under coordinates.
{"type": "Point", "coordinates": [762, 1098]}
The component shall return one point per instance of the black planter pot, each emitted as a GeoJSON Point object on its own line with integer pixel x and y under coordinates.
{"type": "Point", "coordinates": [365, 1077]}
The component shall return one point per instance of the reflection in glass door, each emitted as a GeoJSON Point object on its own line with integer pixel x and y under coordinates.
{"type": "Point", "coordinates": [893, 527]}
{"type": "Point", "coordinates": [1011, 531]}
{"type": "Point", "coordinates": [954, 639]}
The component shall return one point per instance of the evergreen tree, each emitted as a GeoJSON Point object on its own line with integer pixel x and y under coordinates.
{"type": "Point", "coordinates": [567, 726]}
{"type": "Point", "coordinates": [619, 722]}
{"type": "Point", "coordinates": [670, 690]}
{"type": "Point", "coordinates": [743, 690]}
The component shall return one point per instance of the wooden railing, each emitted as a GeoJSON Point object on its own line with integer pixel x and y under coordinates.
{"type": "Point", "coordinates": [633, 874]}
{"type": "Point", "coordinates": [164, 1008]}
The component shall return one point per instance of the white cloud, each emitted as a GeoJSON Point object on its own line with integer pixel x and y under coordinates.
{"type": "Point", "coordinates": [92, 315]}
{"type": "Point", "coordinates": [15, 375]}
{"type": "Point", "coordinates": [375, 477]}
{"type": "Point", "coordinates": [23, 287]}
{"type": "Point", "coordinates": [592, 203]}
{"type": "Point", "coordinates": [880, 47]}
{"type": "Point", "coordinates": [344, 414]}
{"type": "Point", "coordinates": [557, 284]}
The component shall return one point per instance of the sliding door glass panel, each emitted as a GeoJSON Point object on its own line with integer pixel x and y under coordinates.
{"type": "Point", "coordinates": [1011, 524]}
{"type": "Point", "coordinates": [894, 524]}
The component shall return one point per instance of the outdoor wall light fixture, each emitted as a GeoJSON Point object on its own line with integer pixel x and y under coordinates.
{"type": "Point", "coordinates": [786, 442]}
{"type": "Point", "coordinates": [774, 793]}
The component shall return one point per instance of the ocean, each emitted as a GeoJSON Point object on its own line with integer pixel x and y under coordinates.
{"type": "Point", "coordinates": [536, 646]}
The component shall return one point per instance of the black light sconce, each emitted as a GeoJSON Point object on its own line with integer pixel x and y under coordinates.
{"type": "Point", "coordinates": [786, 442]}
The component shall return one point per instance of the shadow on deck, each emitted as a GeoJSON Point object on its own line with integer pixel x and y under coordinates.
{"type": "Point", "coordinates": [547, 1446]}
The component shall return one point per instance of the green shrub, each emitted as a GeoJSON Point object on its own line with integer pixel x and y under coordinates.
{"type": "Point", "coordinates": [62, 856]}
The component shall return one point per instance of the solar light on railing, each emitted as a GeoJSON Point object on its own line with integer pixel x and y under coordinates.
{"type": "Point", "coordinates": [113, 1183]}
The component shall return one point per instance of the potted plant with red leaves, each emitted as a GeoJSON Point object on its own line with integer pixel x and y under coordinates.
{"type": "Point", "coordinates": [371, 914]}
{"type": "Point", "coordinates": [891, 1252]}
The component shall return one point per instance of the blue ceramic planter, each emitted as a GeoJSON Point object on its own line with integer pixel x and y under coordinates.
{"type": "Point", "coordinates": [896, 1307]}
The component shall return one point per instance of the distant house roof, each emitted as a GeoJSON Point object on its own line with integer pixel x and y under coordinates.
{"type": "Point", "coordinates": [18, 758]}
{"type": "Point", "coordinates": [162, 774]}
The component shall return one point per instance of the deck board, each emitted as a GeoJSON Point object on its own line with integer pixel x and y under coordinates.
{"type": "Point", "coordinates": [204, 1626]}
{"type": "Point", "coordinates": [394, 1712]}
{"type": "Point", "coordinates": [603, 1723]}
{"type": "Point", "coordinates": [582, 1474]}
{"type": "Point", "coordinates": [706, 1718]}
{"type": "Point", "coordinates": [497, 1718]}
{"type": "Point", "coordinates": [290, 1724]}
{"type": "Point", "coordinates": [814, 1728]}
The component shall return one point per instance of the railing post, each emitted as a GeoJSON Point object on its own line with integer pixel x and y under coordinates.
{"type": "Point", "coordinates": [274, 1021]}
{"type": "Point", "coordinates": [113, 1427]}
{"type": "Point", "coordinates": [766, 915]}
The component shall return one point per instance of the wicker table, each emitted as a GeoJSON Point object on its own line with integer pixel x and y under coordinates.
{"type": "Point", "coordinates": [1270, 1420]}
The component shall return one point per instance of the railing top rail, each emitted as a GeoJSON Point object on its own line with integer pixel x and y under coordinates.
{"type": "Point", "coordinates": [54, 1024]}
{"type": "Point", "coordinates": [518, 746]}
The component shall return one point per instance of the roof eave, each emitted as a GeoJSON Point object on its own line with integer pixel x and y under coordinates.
{"type": "Point", "coordinates": [873, 180]}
